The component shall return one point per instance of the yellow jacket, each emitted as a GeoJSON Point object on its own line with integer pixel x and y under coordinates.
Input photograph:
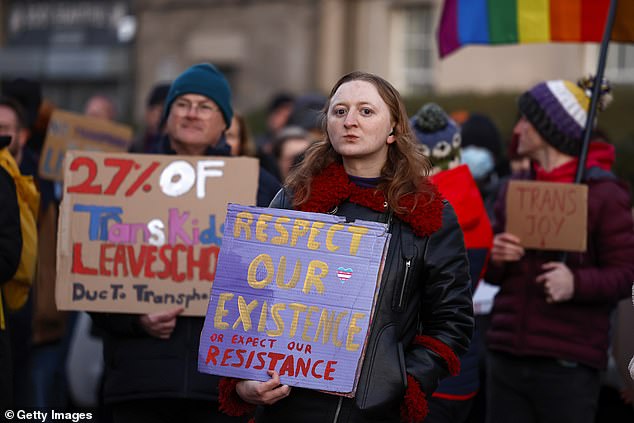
{"type": "Point", "coordinates": [16, 291]}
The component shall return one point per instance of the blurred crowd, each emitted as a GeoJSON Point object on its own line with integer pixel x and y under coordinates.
{"type": "Point", "coordinates": [75, 360]}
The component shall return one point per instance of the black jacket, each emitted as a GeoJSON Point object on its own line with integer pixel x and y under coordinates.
{"type": "Point", "coordinates": [138, 365]}
{"type": "Point", "coordinates": [10, 252]}
{"type": "Point", "coordinates": [423, 319]}
{"type": "Point", "coordinates": [10, 233]}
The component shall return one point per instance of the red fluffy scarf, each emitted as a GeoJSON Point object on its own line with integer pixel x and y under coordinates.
{"type": "Point", "coordinates": [332, 187]}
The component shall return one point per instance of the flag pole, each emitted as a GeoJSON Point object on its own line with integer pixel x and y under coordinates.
{"type": "Point", "coordinates": [596, 91]}
{"type": "Point", "coordinates": [594, 101]}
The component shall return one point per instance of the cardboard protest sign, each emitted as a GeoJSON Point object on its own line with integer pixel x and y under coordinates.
{"type": "Point", "coordinates": [71, 131]}
{"type": "Point", "coordinates": [141, 233]}
{"type": "Point", "coordinates": [548, 215]}
{"type": "Point", "coordinates": [294, 292]}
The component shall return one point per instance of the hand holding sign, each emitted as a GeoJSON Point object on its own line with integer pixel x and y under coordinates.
{"type": "Point", "coordinates": [160, 324]}
{"type": "Point", "coordinates": [506, 247]}
{"type": "Point", "coordinates": [263, 393]}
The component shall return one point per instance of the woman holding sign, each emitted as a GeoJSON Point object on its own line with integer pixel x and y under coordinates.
{"type": "Point", "coordinates": [369, 167]}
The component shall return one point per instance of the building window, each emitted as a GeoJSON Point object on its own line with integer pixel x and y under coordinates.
{"type": "Point", "coordinates": [620, 63]}
{"type": "Point", "coordinates": [413, 39]}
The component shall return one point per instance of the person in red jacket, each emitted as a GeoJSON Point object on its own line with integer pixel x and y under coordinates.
{"type": "Point", "coordinates": [550, 323]}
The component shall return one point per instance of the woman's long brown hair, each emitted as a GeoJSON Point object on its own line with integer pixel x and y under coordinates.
{"type": "Point", "coordinates": [404, 168]}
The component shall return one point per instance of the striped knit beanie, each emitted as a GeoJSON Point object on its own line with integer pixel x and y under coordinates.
{"type": "Point", "coordinates": [558, 110]}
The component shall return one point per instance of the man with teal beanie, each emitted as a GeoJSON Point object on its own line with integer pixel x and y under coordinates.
{"type": "Point", "coordinates": [206, 80]}
{"type": "Point", "coordinates": [151, 361]}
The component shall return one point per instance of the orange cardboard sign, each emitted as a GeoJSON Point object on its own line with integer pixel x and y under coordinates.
{"type": "Point", "coordinates": [71, 131]}
{"type": "Point", "coordinates": [141, 233]}
{"type": "Point", "coordinates": [548, 215]}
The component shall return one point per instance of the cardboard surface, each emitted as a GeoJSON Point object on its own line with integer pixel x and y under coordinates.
{"type": "Point", "coordinates": [294, 292]}
{"type": "Point", "coordinates": [141, 233]}
{"type": "Point", "coordinates": [71, 131]}
{"type": "Point", "coordinates": [548, 215]}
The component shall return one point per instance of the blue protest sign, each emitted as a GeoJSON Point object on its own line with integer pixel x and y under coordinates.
{"type": "Point", "coordinates": [294, 292]}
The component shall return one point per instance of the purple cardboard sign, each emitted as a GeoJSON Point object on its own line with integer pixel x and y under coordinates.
{"type": "Point", "coordinates": [294, 292]}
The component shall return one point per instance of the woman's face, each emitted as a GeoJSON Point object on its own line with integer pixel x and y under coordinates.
{"type": "Point", "coordinates": [291, 148]}
{"type": "Point", "coordinates": [232, 136]}
{"type": "Point", "coordinates": [359, 125]}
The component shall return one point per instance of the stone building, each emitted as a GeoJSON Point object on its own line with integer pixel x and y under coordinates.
{"type": "Point", "coordinates": [123, 47]}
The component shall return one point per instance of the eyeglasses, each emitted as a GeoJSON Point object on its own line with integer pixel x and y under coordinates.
{"type": "Point", "coordinates": [202, 110]}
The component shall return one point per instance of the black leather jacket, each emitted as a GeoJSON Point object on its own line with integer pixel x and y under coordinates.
{"type": "Point", "coordinates": [425, 290]}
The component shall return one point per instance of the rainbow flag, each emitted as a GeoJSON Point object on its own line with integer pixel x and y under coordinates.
{"type": "Point", "coordinates": [530, 21]}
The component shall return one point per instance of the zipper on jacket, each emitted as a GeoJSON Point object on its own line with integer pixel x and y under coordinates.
{"type": "Point", "coordinates": [389, 221]}
{"type": "Point", "coordinates": [338, 410]}
{"type": "Point", "coordinates": [401, 298]}
{"type": "Point", "coordinates": [408, 255]}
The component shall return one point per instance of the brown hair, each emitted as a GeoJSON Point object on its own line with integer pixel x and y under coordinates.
{"type": "Point", "coordinates": [404, 168]}
{"type": "Point", "coordinates": [247, 145]}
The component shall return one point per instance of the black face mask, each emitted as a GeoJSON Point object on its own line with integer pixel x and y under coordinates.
{"type": "Point", "coordinates": [5, 140]}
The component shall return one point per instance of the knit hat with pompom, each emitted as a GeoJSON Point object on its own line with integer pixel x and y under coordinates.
{"type": "Point", "coordinates": [438, 134]}
{"type": "Point", "coordinates": [558, 110]}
